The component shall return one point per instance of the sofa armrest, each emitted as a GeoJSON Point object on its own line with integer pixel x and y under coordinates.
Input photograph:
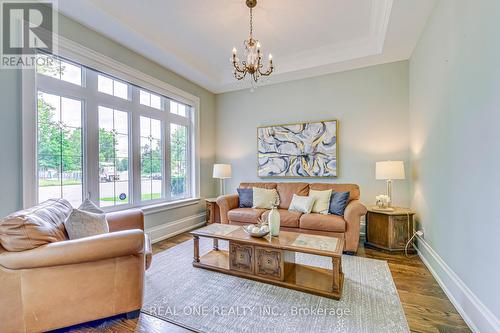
{"type": "Point", "coordinates": [94, 248]}
{"type": "Point", "coordinates": [125, 220]}
{"type": "Point", "coordinates": [226, 203]}
{"type": "Point", "coordinates": [352, 215]}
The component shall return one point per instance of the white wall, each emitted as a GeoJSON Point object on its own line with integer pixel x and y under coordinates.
{"type": "Point", "coordinates": [371, 105]}
{"type": "Point", "coordinates": [455, 140]}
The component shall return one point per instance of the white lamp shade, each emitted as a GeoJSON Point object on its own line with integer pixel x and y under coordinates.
{"type": "Point", "coordinates": [390, 170]}
{"type": "Point", "coordinates": [222, 171]}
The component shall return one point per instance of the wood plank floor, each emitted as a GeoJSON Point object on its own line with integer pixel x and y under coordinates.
{"type": "Point", "coordinates": [426, 306]}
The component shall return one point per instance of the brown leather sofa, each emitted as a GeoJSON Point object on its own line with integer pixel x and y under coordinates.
{"type": "Point", "coordinates": [67, 282]}
{"type": "Point", "coordinates": [329, 225]}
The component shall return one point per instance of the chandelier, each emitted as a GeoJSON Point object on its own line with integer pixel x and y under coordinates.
{"type": "Point", "coordinates": [253, 63]}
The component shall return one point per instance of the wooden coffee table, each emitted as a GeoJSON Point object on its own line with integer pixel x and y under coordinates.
{"type": "Point", "coordinates": [272, 259]}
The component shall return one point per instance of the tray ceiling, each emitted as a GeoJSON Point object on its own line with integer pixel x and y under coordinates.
{"type": "Point", "coordinates": [307, 38]}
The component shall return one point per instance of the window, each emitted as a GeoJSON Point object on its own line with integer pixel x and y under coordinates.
{"type": "Point", "coordinates": [177, 108]}
{"type": "Point", "coordinates": [150, 99]}
{"type": "Point", "coordinates": [102, 137]}
{"type": "Point", "coordinates": [113, 157]}
{"type": "Point", "coordinates": [112, 87]}
{"type": "Point", "coordinates": [179, 161]}
{"type": "Point", "coordinates": [59, 148]}
{"type": "Point", "coordinates": [59, 69]}
{"type": "Point", "coordinates": [151, 159]}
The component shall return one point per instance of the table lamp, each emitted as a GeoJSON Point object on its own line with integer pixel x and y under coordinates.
{"type": "Point", "coordinates": [222, 171]}
{"type": "Point", "coordinates": [389, 171]}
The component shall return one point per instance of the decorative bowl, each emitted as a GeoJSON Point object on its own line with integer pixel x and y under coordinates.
{"type": "Point", "coordinates": [260, 234]}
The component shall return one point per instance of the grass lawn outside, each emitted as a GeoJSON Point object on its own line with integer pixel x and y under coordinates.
{"type": "Point", "coordinates": [144, 197]}
{"type": "Point", "coordinates": [57, 182]}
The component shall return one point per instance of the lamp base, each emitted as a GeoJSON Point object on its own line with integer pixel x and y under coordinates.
{"type": "Point", "coordinates": [389, 192]}
{"type": "Point", "coordinates": [222, 187]}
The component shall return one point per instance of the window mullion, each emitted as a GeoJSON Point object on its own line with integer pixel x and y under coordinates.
{"type": "Point", "coordinates": [166, 154]}
{"type": "Point", "coordinates": [135, 150]}
{"type": "Point", "coordinates": [91, 137]}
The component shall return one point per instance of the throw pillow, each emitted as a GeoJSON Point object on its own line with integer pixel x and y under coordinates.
{"type": "Point", "coordinates": [338, 203]}
{"type": "Point", "coordinates": [301, 204]}
{"type": "Point", "coordinates": [264, 198]}
{"type": "Point", "coordinates": [245, 197]}
{"type": "Point", "coordinates": [81, 224]}
{"type": "Point", "coordinates": [321, 201]}
{"type": "Point", "coordinates": [36, 226]}
{"type": "Point", "coordinates": [88, 206]}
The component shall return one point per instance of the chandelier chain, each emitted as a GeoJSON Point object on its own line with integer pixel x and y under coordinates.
{"type": "Point", "coordinates": [251, 22]}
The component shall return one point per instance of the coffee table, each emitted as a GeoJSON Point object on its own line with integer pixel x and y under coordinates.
{"type": "Point", "coordinates": [272, 259]}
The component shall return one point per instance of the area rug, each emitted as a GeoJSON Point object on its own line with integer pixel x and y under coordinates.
{"type": "Point", "coordinates": [206, 301]}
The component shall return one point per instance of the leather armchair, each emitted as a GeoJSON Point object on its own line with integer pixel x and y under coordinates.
{"type": "Point", "coordinates": [69, 282]}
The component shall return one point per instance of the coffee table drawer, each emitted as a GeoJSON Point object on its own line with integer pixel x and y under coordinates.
{"type": "Point", "coordinates": [241, 257]}
{"type": "Point", "coordinates": [269, 263]}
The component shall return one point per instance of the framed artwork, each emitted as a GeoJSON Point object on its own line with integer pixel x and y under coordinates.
{"type": "Point", "coordinates": [298, 150]}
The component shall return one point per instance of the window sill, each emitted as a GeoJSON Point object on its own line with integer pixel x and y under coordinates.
{"type": "Point", "coordinates": [156, 208]}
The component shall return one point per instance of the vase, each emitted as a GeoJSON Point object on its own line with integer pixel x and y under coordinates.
{"type": "Point", "coordinates": [274, 222]}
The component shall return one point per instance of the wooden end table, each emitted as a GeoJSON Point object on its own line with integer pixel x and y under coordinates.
{"type": "Point", "coordinates": [272, 259]}
{"type": "Point", "coordinates": [212, 211]}
{"type": "Point", "coordinates": [389, 230]}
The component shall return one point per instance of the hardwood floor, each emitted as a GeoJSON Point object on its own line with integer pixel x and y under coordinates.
{"type": "Point", "coordinates": [426, 306]}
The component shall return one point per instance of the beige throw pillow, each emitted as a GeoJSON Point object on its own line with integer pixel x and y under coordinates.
{"type": "Point", "coordinates": [264, 198]}
{"type": "Point", "coordinates": [88, 206]}
{"type": "Point", "coordinates": [80, 224]}
{"type": "Point", "coordinates": [301, 204]}
{"type": "Point", "coordinates": [321, 201]}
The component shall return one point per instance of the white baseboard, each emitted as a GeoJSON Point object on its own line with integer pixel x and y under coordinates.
{"type": "Point", "coordinates": [479, 318]}
{"type": "Point", "coordinates": [170, 229]}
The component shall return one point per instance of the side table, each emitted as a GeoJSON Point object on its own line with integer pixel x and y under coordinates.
{"type": "Point", "coordinates": [212, 211]}
{"type": "Point", "coordinates": [389, 230]}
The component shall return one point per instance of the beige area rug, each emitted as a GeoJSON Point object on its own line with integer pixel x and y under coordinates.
{"type": "Point", "coordinates": [207, 301]}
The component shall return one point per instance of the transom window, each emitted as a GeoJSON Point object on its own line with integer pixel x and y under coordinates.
{"type": "Point", "coordinates": [101, 137]}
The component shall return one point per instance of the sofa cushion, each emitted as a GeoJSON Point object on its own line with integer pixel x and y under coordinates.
{"type": "Point", "coordinates": [301, 204]}
{"type": "Point", "coordinates": [287, 218]}
{"type": "Point", "coordinates": [338, 203]}
{"type": "Point", "coordinates": [321, 201]}
{"type": "Point", "coordinates": [353, 189]}
{"type": "Point", "coordinates": [322, 222]}
{"type": "Point", "coordinates": [245, 197]}
{"type": "Point", "coordinates": [265, 198]}
{"type": "Point", "coordinates": [245, 215]}
{"type": "Point", "coordinates": [259, 185]}
{"type": "Point", "coordinates": [287, 190]}
{"type": "Point", "coordinates": [30, 228]}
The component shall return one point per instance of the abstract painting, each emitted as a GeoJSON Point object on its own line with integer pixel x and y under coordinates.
{"type": "Point", "coordinates": [298, 150]}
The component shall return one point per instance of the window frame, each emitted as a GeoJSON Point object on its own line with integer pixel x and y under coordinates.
{"type": "Point", "coordinates": [137, 80]}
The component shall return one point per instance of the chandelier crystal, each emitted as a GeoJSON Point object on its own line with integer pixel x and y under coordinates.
{"type": "Point", "coordinates": [252, 63]}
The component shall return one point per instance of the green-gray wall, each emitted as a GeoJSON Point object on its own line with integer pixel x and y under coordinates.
{"type": "Point", "coordinates": [455, 140]}
{"type": "Point", "coordinates": [10, 120]}
{"type": "Point", "coordinates": [371, 105]}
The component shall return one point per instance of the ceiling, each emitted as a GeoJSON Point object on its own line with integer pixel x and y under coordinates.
{"type": "Point", "coordinates": [194, 38]}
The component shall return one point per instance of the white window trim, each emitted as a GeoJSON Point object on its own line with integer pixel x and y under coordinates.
{"type": "Point", "coordinates": [87, 57]}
